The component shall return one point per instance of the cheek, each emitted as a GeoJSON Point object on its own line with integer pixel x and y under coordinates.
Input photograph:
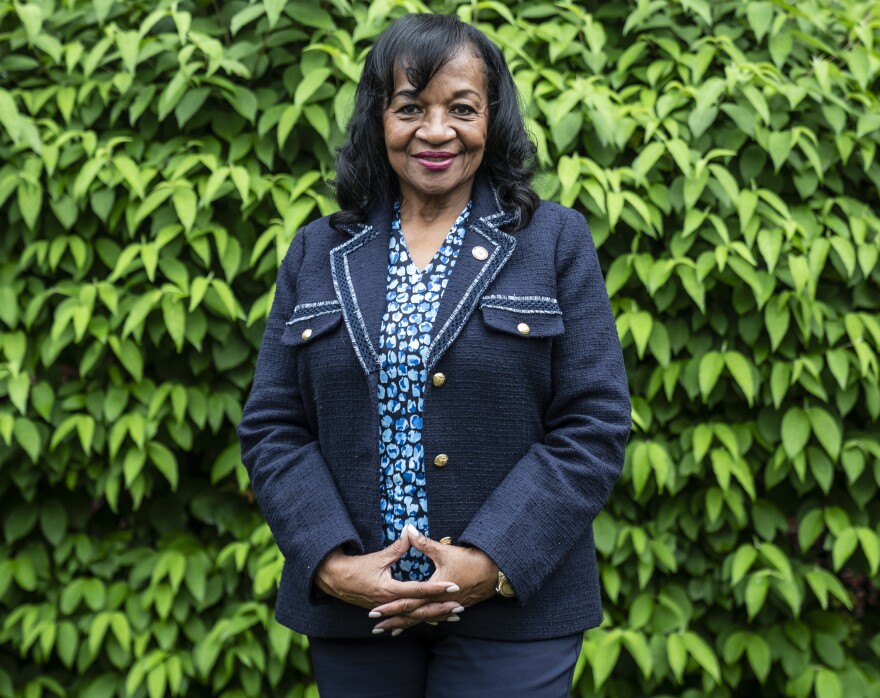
{"type": "Point", "coordinates": [476, 141]}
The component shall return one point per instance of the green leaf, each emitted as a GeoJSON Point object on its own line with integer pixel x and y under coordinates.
{"type": "Point", "coordinates": [185, 204]}
{"type": "Point", "coordinates": [742, 562]}
{"type": "Point", "coordinates": [139, 311]}
{"type": "Point", "coordinates": [828, 684]}
{"type": "Point", "coordinates": [246, 16]}
{"type": "Point", "coordinates": [156, 198]}
{"type": "Point", "coordinates": [746, 205]}
{"type": "Point", "coordinates": [244, 102]}
{"type": "Point", "coordinates": [677, 655]}
{"type": "Point", "coordinates": [795, 431]}
{"type": "Point", "coordinates": [165, 462]}
{"type": "Point", "coordinates": [30, 202]}
{"type": "Point", "coordinates": [102, 9]}
{"type": "Point", "coordinates": [172, 94]}
{"type": "Point", "coordinates": [19, 388]}
{"type": "Point", "coordinates": [779, 144]}
{"type": "Point", "coordinates": [741, 370]}
{"type": "Point", "coordinates": [27, 436]}
{"type": "Point", "coordinates": [844, 547]}
{"type": "Point", "coordinates": [756, 593]}
{"type": "Point", "coordinates": [810, 528]}
{"type": "Point", "coordinates": [641, 324]}
{"type": "Point", "coordinates": [190, 104]}
{"type": "Point", "coordinates": [174, 315]}
{"type": "Point", "coordinates": [128, 43]}
{"type": "Point", "coordinates": [273, 10]}
{"type": "Point", "coordinates": [604, 658]}
{"type": "Point", "coordinates": [53, 521]}
{"type": "Point", "coordinates": [309, 85]}
{"type": "Point", "coordinates": [870, 547]}
{"type": "Point", "coordinates": [827, 431]}
{"type": "Point", "coordinates": [758, 653]}
{"type": "Point", "coordinates": [760, 15]}
{"type": "Point", "coordinates": [711, 366]}
{"type": "Point", "coordinates": [700, 650]}
{"type": "Point", "coordinates": [20, 520]}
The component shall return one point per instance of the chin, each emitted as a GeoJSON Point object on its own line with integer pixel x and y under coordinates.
{"type": "Point", "coordinates": [440, 185]}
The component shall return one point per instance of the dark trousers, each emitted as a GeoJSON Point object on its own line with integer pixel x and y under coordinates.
{"type": "Point", "coordinates": [432, 662]}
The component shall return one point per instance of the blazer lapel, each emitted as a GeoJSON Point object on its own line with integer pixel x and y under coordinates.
{"type": "Point", "coordinates": [359, 269]}
{"type": "Point", "coordinates": [472, 275]}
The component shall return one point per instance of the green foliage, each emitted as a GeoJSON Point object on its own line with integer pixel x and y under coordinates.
{"type": "Point", "coordinates": [155, 162]}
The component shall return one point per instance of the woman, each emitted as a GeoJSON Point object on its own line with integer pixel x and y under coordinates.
{"type": "Point", "coordinates": [440, 406]}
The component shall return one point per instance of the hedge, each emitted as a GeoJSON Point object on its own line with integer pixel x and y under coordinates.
{"type": "Point", "coordinates": [156, 160]}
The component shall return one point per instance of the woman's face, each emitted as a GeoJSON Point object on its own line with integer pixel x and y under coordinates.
{"type": "Point", "coordinates": [435, 140]}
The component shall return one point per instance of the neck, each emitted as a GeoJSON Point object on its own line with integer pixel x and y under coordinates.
{"type": "Point", "coordinates": [427, 208]}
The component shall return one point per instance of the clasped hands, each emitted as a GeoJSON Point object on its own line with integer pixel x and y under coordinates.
{"type": "Point", "coordinates": [462, 578]}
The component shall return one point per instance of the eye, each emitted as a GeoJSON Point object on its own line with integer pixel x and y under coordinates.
{"type": "Point", "coordinates": [463, 110]}
{"type": "Point", "coordinates": [408, 109]}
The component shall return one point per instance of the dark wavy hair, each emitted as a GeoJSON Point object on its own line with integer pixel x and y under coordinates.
{"type": "Point", "coordinates": [422, 44]}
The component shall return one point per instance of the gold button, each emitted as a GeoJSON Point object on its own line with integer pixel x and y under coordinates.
{"type": "Point", "coordinates": [446, 540]}
{"type": "Point", "coordinates": [523, 327]}
{"type": "Point", "coordinates": [480, 252]}
{"type": "Point", "coordinates": [441, 459]}
{"type": "Point", "coordinates": [438, 379]}
{"type": "Point", "coordinates": [307, 333]}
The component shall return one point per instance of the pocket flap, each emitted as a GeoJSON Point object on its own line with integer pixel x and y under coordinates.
{"type": "Point", "coordinates": [524, 316]}
{"type": "Point", "coordinates": [310, 321]}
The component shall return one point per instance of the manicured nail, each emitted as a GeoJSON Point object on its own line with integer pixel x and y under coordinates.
{"type": "Point", "coordinates": [458, 609]}
{"type": "Point", "coordinates": [452, 619]}
{"type": "Point", "coordinates": [378, 631]}
{"type": "Point", "coordinates": [396, 632]}
{"type": "Point", "coordinates": [416, 532]}
{"type": "Point", "coordinates": [375, 614]}
{"type": "Point", "coordinates": [452, 589]}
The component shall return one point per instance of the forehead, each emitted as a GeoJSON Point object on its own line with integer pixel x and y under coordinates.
{"type": "Point", "coordinates": [464, 70]}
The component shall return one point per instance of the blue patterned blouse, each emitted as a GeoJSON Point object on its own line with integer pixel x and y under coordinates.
{"type": "Point", "coordinates": [413, 297]}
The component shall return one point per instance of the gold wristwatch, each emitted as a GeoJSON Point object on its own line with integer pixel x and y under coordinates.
{"type": "Point", "coordinates": [504, 587]}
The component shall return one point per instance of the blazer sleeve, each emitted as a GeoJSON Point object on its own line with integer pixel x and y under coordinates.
{"type": "Point", "coordinates": [549, 498]}
{"type": "Point", "coordinates": [291, 481]}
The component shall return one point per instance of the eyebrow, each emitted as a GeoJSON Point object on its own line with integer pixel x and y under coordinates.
{"type": "Point", "coordinates": [412, 94]}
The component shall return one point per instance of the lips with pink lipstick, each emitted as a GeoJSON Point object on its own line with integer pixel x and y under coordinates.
{"type": "Point", "coordinates": [435, 159]}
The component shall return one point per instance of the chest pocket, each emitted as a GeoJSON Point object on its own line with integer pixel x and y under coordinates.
{"type": "Point", "coordinates": [311, 321]}
{"type": "Point", "coordinates": [524, 316]}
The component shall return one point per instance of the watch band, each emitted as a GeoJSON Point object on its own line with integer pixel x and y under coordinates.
{"type": "Point", "coordinates": [504, 587]}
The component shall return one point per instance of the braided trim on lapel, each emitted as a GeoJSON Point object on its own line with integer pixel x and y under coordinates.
{"type": "Point", "coordinates": [339, 269]}
{"type": "Point", "coordinates": [503, 245]}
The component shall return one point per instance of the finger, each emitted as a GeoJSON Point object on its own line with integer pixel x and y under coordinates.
{"type": "Point", "coordinates": [435, 611]}
{"type": "Point", "coordinates": [431, 548]}
{"type": "Point", "coordinates": [440, 613]}
{"type": "Point", "coordinates": [398, 607]}
{"type": "Point", "coordinates": [394, 624]}
{"type": "Point", "coordinates": [398, 548]}
{"type": "Point", "coordinates": [419, 590]}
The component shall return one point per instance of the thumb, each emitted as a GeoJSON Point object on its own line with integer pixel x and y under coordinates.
{"type": "Point", "coordinates": [421, 542]}
{"type": "Point", "coordinates": [399, 547]}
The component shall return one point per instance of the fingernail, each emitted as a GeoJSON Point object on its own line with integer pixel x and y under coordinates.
{"type": "Point", "coordinates": [416, 532]}
{"type": "Point", "coordinates": [378, 631]}
{"type": "Point", "coordinates": [452, 619]}
{"type": "Point", "coordinates": [430, 622]}
{"type": "Point", "coordinates": [458, 609]}
{"type": "Point", "coordinates": [396, 631]}
{"type": "Point", "coordinates": [452, 589]}
{"type": "Point", "coordinates": [375, 614]}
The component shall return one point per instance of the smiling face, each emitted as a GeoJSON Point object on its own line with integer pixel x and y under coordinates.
{"type": "Point", "coordinates": [435, 139]}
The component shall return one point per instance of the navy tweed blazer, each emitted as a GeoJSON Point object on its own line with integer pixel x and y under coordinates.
{"type": "Point", "coordinates": [533, 415]}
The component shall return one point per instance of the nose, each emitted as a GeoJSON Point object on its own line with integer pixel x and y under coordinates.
{"type": "Point", "coordinates": [435, 127]}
